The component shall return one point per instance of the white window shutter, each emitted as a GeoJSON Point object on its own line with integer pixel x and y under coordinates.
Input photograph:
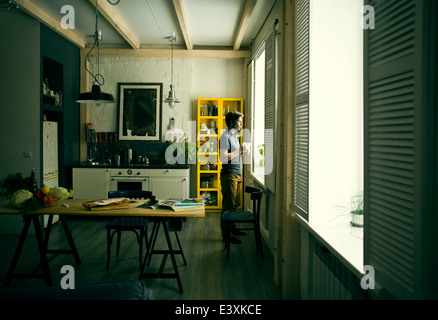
{"type": "Point", "coordinates": [270, 110]}
{"type": "Point", "coordinates": [300, 192]}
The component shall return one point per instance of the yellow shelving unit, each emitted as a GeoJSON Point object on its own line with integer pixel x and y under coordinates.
{"type": "Point", "coordinates": [211, 123]}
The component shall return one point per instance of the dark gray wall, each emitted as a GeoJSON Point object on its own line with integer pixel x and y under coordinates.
{"type": "Point", "coordinates": [19, 101]}
{"type": "Point", "coordinates": [61, 50]}
{"type": "Point", "coordinates": [24, 44]}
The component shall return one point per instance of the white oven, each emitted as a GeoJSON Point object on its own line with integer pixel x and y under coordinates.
{"type": "Point", "coordinates": [129, 179]}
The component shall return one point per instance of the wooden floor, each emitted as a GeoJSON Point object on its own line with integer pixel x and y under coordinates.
{"type": "Point", "coordinates": [208, 274]}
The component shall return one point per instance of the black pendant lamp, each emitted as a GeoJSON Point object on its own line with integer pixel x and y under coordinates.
{"type": "Point", "coordinates": [96, 96]}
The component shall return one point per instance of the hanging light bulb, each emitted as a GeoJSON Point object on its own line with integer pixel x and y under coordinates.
{"type": "Point", "coordinates": [96, 96]}
{"type": "Point", "coordinates": [171, 98]}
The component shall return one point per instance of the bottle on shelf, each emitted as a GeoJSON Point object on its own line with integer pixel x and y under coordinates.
{"type": "Point", "coordinates": [46, 87]}
{"type": "Point", "coordinates": [33, 184]}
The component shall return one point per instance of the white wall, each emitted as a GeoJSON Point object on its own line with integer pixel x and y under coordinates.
{"type": "Point", "coordinates": [193, 78]}
{"type": "Point", "coordinates": [121, 69]}
{"type": "Point", "coordinates": [222, 78]}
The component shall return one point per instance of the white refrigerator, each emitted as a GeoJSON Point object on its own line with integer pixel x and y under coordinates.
{"type": "Point", "coordinates": [50, 158]}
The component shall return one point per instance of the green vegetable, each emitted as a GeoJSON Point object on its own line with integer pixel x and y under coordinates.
{"type": "Point", "coordinates": [60, 193]}
{"type": "Point", "coordinates": [21, 198]}
{"type": "Point", "coordinates": [12, 183]}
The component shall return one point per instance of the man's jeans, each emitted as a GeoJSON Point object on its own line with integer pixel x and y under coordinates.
{"type": "Point", "coordinates": [230, 184]}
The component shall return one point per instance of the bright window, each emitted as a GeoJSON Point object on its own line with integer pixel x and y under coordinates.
{"type": "Point", "coordinates": [258, 115]}
{"type": "Point", "coordinates": [335, 125]}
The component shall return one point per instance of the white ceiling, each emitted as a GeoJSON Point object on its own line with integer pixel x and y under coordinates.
{"type": "Point", "coordinates": [208, 23]}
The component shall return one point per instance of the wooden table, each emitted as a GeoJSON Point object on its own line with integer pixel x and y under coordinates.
{"type": "Point", "coordinates": [75, 208]}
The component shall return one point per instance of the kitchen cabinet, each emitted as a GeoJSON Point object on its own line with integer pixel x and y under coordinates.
{"type": "Point", "coordinates": [90, 183]}
{"type": "Point", "coordinates": [170, 183]}
{"type": "Point", "coordinates": [165, 183]}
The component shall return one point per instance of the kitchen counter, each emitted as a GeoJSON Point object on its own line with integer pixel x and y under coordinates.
{"type": "Point", "coordinates": [134, 166]}
{"type": "Point", "coordinates": [94, 181]}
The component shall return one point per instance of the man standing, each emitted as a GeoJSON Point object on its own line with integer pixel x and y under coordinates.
{"type": "Point", "coordinates": [230, 152]}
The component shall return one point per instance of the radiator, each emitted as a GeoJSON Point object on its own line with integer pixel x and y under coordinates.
{"type": "Point", "coordinates": [331, 280]}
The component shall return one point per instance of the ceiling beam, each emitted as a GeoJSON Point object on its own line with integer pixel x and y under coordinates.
{"type": "Point", "coordinates": [178, 53]}
{"type": "Point", "coordinates": [109, 14]}
{"type": "Point", "coordinates": [243, 25]}
{"type": "Point", "coordinates": [180, 13]}
{"type": "Point", "coordinates": [51, 22]}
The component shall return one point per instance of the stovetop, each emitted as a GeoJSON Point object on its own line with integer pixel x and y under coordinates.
{"type": "Point", "coordinates": [130, 166]}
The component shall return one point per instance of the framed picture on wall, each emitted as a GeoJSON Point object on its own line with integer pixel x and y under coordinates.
{"type": "Point", "coordinates": [140, 111]}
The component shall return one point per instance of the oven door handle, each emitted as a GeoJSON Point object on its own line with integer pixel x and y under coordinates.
{"type": "Point", "coordinates": [129, 179]}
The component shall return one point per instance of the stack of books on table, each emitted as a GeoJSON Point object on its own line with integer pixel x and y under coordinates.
{"type": "Point", "coordinates": [182, 204]}
{"type": "Point", "coordinates": [178, 204]}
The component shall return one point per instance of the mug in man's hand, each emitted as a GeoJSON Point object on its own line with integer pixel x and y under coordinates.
{"type": "Point", "coordinates": [246, 147]}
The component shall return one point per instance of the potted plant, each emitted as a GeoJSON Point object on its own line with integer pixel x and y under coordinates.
{"type": "Point", "coordinates": [261, 150]}
{"type": "Point", "coordinates": [356, 211]}
{"type": "Point", "coordinates": [118, 153]}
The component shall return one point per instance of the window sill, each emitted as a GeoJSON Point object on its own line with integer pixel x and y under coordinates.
{"type": "Point", "coordinates": [258, 179]}
{"type": "Point", "coordinates": [348, 248]}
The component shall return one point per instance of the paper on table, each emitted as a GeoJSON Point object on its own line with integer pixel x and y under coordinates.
{"type": "Point", "coordinates": [104, 202]}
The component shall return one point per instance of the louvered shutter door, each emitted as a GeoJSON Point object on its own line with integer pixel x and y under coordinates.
{"type": "Point", "coordinates": [270, 110]}
{"type": "Point", "coordinates": [300, 193]}
{"type": "Point", "coordinates": [392, 103]}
